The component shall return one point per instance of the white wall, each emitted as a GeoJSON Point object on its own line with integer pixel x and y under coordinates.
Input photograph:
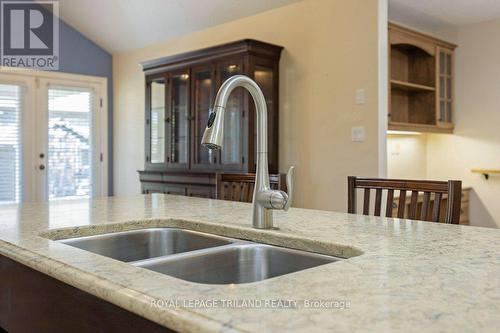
{"type": "Point", "coordinates": [476, 139]}
{"type": "Point", "coordinates": [331, 49]}
{"type": "Point", "coordinates": [407, 156]}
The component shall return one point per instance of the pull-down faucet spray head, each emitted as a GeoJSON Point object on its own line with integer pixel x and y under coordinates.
{"type": "Point", "coordinates": [213, 135]}
{"type": "Point", "coordinates": [214, 132]}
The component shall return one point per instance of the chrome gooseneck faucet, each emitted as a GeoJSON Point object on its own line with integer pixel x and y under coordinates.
{"type": "Point", "coordinates": [264, 198]}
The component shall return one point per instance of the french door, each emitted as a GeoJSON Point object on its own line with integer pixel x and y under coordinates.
{"type": "Point", "coordinates": [52, 137]}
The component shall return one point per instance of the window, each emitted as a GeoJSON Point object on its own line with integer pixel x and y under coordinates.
{"type": "Point", "coordinates": [10, 143]}
{"type": "Point", "coordinates": [69, 142]}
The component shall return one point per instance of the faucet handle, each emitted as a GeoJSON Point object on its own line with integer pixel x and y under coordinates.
{"type": "Point", "coordinates": [289, 186]}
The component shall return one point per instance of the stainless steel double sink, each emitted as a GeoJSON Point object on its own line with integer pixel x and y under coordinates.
{"type": "Point", "coordinates": [199, 257]}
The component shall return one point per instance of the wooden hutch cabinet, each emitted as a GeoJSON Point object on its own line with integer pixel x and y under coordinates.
{"type": "Point", "coordinates": [421, 82]}
{"type": "Point", "coordinates": [180, 91]}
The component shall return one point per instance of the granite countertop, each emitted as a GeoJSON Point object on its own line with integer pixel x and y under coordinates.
{"type": "Point", "coordinates": [401, 275]}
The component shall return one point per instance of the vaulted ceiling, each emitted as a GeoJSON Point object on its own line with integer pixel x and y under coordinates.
{"type": "Point", "coordinates": [435, 14]}
{"type": "Point", "coordinates": [124, 25]}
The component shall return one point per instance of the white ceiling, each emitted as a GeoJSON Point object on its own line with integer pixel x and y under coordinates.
{"type": "Point", "coordinates": [123, 25]}
{"type": "Point", "coordinates": [435, 14]}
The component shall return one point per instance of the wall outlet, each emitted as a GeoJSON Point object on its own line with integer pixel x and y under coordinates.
{"type": "Point", "coordinates": [358, 134]}
{"type": "Point", "coordinates": [360, 96]}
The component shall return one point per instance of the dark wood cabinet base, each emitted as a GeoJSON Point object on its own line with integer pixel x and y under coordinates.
{"type": "Point", "coordinates": [201, 185]}
{"type": "Point", "coordinates": [34, 302]}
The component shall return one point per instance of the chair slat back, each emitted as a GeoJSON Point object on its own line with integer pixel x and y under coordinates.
{"type": "Point", "coordinates": [240, 186]}
{"type": "Point", "coordinates": [425, 198]}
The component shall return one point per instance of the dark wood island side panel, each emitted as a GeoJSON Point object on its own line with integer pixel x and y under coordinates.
{"type": "Point", "coordinates": [31, 301]}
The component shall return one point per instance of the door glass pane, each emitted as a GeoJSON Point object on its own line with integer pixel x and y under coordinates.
{"type": "Point", "coordinates": [179, 122]}
{"type": "Point", "coordinates": [69, 142]}
{"type": "Point", "coordinates": [441, 87]}
{"type": "Point", "coordinates": [10, 143]}
{"type": "Point", "coordinates": [448, 64]}
{"type": "Point", "coordinates": [157, 121]}
{"type": "Point", "coordinates": [231, 154]}
{"type": "Point", "coordinates": [203, 99]}
{"type": "Point", "coordinates": [442, 111]}
{"type": "Point", "coordinates": [442, 63]}
{"type": "Point", "coordinates": [448, 88]}
{"type": "Point", "coordinates": [448, 112]}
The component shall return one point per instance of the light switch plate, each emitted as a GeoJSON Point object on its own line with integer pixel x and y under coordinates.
{"type": "Point", "coordinates": [358, 134]}
{"type": "Point", "coordinates": [360, 96]}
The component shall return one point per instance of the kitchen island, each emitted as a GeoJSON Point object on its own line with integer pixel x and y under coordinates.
{"type": "Point", "coordinates": [398, 275]}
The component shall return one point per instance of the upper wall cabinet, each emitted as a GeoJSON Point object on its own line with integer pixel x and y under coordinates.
{"type": "Point", "coordinates": [421, 82]}
{"type": "Point", "coordinates": [180, 92]}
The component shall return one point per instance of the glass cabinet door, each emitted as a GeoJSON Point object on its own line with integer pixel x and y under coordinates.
{"type": "Point", "coordinates": [202, 98]}
{"type": "Point", "coordinates": [156, 122]}
{"type": "Point", "coordinates": [445, 107]}
{"type": "Point", "coordinates": [177, 121]}
{"type": "Point", "coordinates": [232, 153]}
{"type": "Point", "coordinates": [264, 76]}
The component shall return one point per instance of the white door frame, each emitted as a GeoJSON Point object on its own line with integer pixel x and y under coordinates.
{"type": "Point", "coordinates": [36, 82]}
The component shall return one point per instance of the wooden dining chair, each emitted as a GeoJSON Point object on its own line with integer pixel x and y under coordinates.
{"type": "Point", "coordinates": [427, 206]}
{"type": "Point", "coordinates": [239, 186]}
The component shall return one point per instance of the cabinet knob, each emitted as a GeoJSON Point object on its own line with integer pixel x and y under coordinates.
{"type": "Point", "coordinates": [41, 167]}
{"type": "Point", "coordinates": [167, 120]}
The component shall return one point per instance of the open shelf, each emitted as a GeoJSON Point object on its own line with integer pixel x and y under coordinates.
{"type": "Point", "coordinates": [413, 107]}
{"type": "Point", "coordinates": [409, 63]}
{"type": "Point", "coordinates": [486, 172]}
{"type": "Point", "coordinates": [411, 87]}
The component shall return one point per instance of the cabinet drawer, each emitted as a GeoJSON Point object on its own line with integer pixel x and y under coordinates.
{"type": "Point", "coordinates": [150, 177]}
{"type": "Point", "coordinates": [148, 188]}
{"type": "Point", "coordinates": [174, 189]}
{"type": "Point", "coordinates": [207, 192]}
